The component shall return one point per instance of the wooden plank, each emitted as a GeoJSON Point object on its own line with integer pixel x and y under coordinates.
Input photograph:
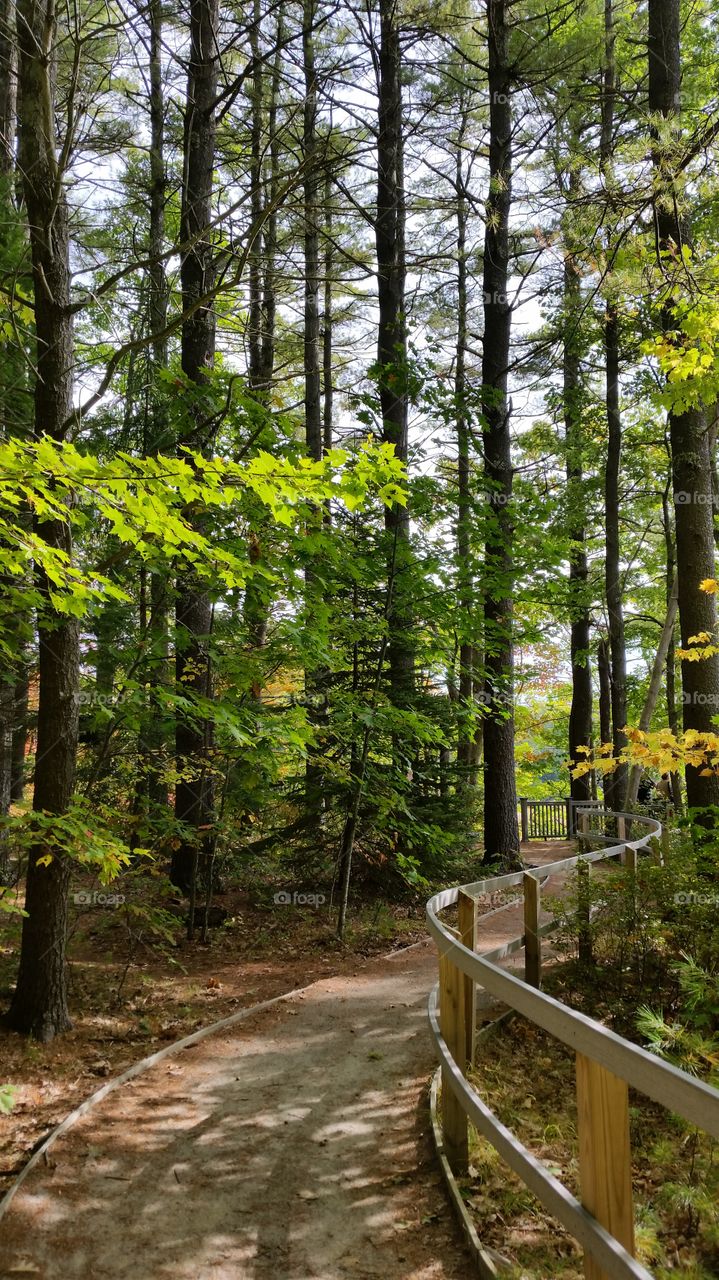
{"type": "Point", "coordinates": [584, 903]}
{"type": "Point", "coordinates": [605, 1158]}
{"type": "Point", "coordinates": [621, 836]}
{"type": "Point", "coordinates": [569, 817]}
{"type": "Point", "coordinates": [525, 818]}
{"type": "Point", "coordinates": [486, 1268]}
{"type": "Point", "coordinates": [467, 920]}
{"type": "Point", "coordinates": [452, 1023]}
{"type": "Point", "coordinates": [543, 1184]}
{"type": "Point", "coordinates": [696, 1101]}
{"type": "Point", "coordinates": [532, 942]}
{"type": "Point", "coordinates": [583, 827]}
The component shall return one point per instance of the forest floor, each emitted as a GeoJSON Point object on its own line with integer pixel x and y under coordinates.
{"type": "Point", "coordinates": [294, 1145]}
{"type": "Point", "coordinates": [528, 1079]}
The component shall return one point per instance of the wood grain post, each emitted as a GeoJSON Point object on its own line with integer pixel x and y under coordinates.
{"type": "Point", "coordinates": [583, 828]}
{"type": "Point", "coordinates": [605, 1160]}
{"type": "Point", "coordinates": [569, 807]}
{"type": "Point", "coordinates": [524, 810]}
{"type": "Point", "coordinates": [622, 835]}
{"type": "Point", "coordinates": [584, 903]}
{"type": "Point", "coordinates": [630, 860]}
{"type": "Point", "coordinates": [452, 1026]}
{"type": "Point", "coordinates": [467, 913]}
{"type": "Point", "coordinates": [665, 843]}
{"type": "Point", "coordinates": [532, 941]}
{"type": "Point", "coordinates": [656, 851]}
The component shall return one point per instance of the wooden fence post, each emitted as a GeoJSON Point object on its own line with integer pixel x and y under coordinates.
{"type": "Point", "coordinates": [570, 817]}
{"type": "Point", "coordinates": [605, 1162]}
{"type": "Point", "coordinates": [621, 836]}
{"type": "Point", "coordinates": [665, 842]}
{"type": "Point", "coordinates": [524, 808]}
{"type": "Point", "coordinates": [467, 912]}
{"type": "Point", "coordinates": [532, 941]}
{"type": "Point", "coordinates": [452, 1025]}
{"type": "Point", "coordinates": [584, 904]}
{"type": "Point", "coordinates": [583, 827]}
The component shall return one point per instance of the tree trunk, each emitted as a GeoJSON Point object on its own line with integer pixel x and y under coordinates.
{"type": "Point", "coordinates": [256, 200]}
{"type": "Point", "coordinates": [465, 583]}
{"type": "Point", "coordinates": [263, 294]}
{"type": "Point", "coordinates": [19, 734]}
{"type": "Point", "coordinates": [605, 704]}
{"type": "Point", "coordinates": [315, 680]}
{"type": "Point", "coordinates": [152, 741]}
{"type": "Point", "coordinates": [194, 801]}
{"type": "Point", "coordinates": [655, 684]}
{"type": "Point", "coordinates": [616, 783]}
{"type": "Point", "coordinates": [8, 88]}
{"type": "Point", "coordinates": [392, 342]}
{"type": "Point", "coordinates": [6, 712]}
{"type": "Point", "coordinates": [671, 663]}
{"type": "Point", "coordinates": [269, 283]}
{"type": "Point", "coordinates": [501, 834]}
{"type": "Point", "coordinates": [39, 1005]}
{"type": "Point", "coordinates": [691, 461]}
{"type": "Point", "coordinates": [327, 322]}
{"type": "Point", "coordinates": [580, 714]}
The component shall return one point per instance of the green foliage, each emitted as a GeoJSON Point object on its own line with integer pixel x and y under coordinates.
{"type": "Point", "coordinates": [151, 505]}
{"type": "Point", "coordinates": [639, 927]}
{"type": "Point", "coordinates": [81, 834]}
{"type": "Point", "coordinates": [691, 1039]}
{"type": "Point", "coordinates": [8, 1094]}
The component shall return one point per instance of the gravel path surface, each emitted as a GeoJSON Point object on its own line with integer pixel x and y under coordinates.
{"type": "Point", "coordinates": [295, 1146]}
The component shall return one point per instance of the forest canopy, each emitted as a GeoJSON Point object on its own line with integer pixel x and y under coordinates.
{"type": "Point", "coordinates": [358, 389]}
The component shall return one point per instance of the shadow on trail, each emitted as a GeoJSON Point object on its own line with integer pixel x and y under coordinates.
{"type": "Point", "coordinates": [289, 1149]}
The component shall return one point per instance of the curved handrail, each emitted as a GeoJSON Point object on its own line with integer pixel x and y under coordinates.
{"type": "Point", "coordinates": [696, 1101]}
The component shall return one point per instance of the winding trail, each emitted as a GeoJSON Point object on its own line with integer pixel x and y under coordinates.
{"type": "Point", "coordinates": [294, 1146]}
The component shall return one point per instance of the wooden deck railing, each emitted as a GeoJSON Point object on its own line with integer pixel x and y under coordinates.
{"type": "Point", "coordinates": [546, 819]}
{"type": "Point", "coordinates": [606, 1064]}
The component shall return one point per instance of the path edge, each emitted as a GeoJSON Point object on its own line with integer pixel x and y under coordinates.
{"type": "Point", "coordinates": [144, 1064]}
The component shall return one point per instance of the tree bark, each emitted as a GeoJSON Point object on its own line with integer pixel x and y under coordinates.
{"type": "Point", "coordinates": [580, 714]}
{"type": "Point", "coordinates": [655, 684]}
{"type": "Point", "coordinates": [155, 622]}
{"type": "Point", "coordinates": [327, 322]}
{"type": "Point", "coordinates": [605, 704]}
{"type": "Point", "coordinates": [465, 582]}
{"type": "Point", "coordinates": [315, 679]}
{"type": "Point", "coordinates": [616, 783]}
{"type": "Point", "coordinates": [501, 834]}
{"type": "Point", "coordinates": [8, 88]}
{"type": "Point", "coordinates": [19, 734]}
{"type": "Point", "coordinates": [689, 436]}
{"type": "Point", "coordinates": [194, 800]}
{"type": "Point", "coordinates": [392, 341]}
{"type": "Point", "coordinates": [671, 663]}
{"type": "Point", "coordinates": [39, 1005]}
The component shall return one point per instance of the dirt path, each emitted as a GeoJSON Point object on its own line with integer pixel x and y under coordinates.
{"type": "Point", "coordinates": [294, 1146]}
{"type": "Point", "coordinates": [297, 1146]}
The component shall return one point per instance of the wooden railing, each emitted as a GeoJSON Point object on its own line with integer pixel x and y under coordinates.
{"type": "Point", "coordinates": [546, 819]}
{"type": "Point", "coordinates": [606, 1064]}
